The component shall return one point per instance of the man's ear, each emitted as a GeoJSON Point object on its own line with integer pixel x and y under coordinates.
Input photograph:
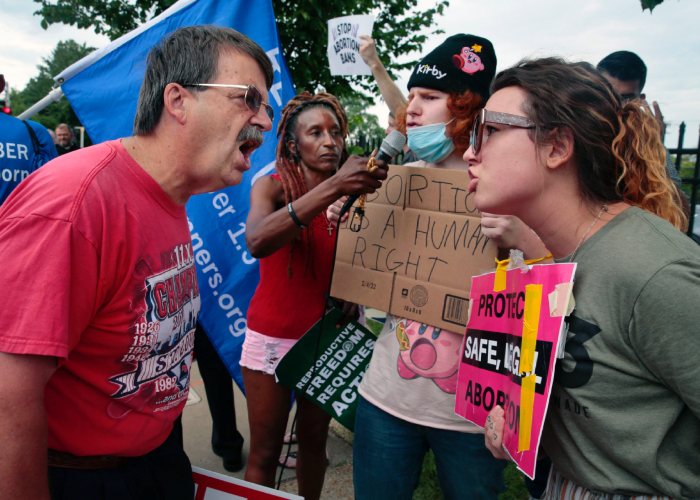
{"type": "Point", "coordinates": [292, 147]}
{"type": "Point", "coordinates": [560, 148]}
{"type": "Point", "coordinates": [175, 99]}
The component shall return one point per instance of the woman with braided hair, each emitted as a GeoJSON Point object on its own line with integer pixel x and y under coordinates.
{"type": "Point", "coordinates": [288, 231]}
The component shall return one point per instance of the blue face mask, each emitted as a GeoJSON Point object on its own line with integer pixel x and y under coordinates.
{"type": "Point", "coordinates": [430, 143]}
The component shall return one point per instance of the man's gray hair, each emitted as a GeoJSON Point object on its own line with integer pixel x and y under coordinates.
{"type": "Point", "coordinates": [189, 55]}
{"type": "Point", "coordinates": [62, 126]}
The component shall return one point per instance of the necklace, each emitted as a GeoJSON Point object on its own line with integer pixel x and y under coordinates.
{"type": "Point", "coordinates": [604, 209]}
{"type": "Point", "coordinates": [330, 226]}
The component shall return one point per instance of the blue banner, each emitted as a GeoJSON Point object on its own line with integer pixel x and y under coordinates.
{"type": "Point", "coordinates": [103, 90]}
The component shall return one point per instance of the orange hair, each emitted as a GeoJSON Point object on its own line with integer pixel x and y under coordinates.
{"type": "Point", "coordinates": [464, 108]}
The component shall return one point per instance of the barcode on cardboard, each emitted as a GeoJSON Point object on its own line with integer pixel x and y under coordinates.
{"type": "Point", "coordinates": [455, 310]}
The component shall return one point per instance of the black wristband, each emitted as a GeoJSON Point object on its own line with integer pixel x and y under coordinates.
{"type": "Point", "coordinates": [294, 216]}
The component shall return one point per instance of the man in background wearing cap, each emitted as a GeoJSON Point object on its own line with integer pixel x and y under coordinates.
{"type": "Point", "coordinates": [407, 403]}
{"type": "Point", "coordinates": [24, 147]}
{"type": "Point", "coordinates": [98, 331]}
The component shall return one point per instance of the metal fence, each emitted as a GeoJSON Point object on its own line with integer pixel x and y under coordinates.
{"type": "Point", "coordinates": [684, 164]}
{"type": "Point", "coordinates": [364, 146]}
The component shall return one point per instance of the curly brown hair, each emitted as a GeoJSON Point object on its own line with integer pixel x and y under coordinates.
{"type": "Point", "coordinates": [463, 107]}
{"type": "Point", "coordinates": [288, 162]}
{"type": "Point", "coordinates": [618, 151]}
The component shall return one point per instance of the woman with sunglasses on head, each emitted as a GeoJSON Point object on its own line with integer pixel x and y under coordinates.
{"type": "Point", "coordinates": [288, 231]}
{"type": "Point", "coordinates": [557, 148]}
{"type": "Point", "coordinates": [404, 412]}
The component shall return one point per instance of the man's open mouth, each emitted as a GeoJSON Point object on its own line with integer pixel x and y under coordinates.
{"type": "Point", "coordinates": [247, 147]}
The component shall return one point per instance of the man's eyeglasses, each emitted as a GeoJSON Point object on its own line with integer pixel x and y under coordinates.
{"type": "Point", "coordinates": [485, 117]}
{"type": "Point", "coordinates": [253, 97]}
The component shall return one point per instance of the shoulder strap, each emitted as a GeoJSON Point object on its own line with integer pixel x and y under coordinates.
{"type": "Point", "coordinates": [38, 158]}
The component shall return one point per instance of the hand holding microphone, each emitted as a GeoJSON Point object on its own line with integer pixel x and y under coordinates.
{"type": "Point", "coordinates": [390, 147]}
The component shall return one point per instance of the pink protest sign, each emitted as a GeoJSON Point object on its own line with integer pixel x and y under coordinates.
{"type": "Point", "coordinates": [510, 352]}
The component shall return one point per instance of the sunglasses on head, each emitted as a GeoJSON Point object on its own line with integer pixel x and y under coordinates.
{"type": "Point", "coordinates": [486, 116]}
{"type": "Point", "coordinates": [253, 97]}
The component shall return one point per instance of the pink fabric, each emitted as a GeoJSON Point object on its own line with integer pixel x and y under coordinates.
{"type": "Point", "coordinates": [262, 353]}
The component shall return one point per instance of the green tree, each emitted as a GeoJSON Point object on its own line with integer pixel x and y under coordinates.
{"type": "Point", "coordinates": [66, 53]}
{"type": "Point", "coordinates": [650, 4]}
{"type": "Point", "coordinates": [400, 29]}
{"type": "Point", "coordinates": [360, 122]}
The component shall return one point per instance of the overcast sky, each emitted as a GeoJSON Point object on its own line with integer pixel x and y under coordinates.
{"type": "Point", "coordinates": [668, 41]}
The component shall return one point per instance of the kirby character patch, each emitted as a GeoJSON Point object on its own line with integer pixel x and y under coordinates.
{"type": "Point", "coordinates": [428, 352]}
{"type": "Point", "coordinates": [468, 61]}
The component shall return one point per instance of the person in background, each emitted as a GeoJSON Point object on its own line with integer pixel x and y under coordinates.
{"type": "Point", "coordinates": [96, 351]}
{"type": "Point", "coordinates": [627, 73]}
{"type": "Point", "coordinates": [24, 147]}
{"type": "Point", "coordinates": [53, 135]}
{"type": "Point", "coordinates": [391, 94]}
{"type": "Point", "coordinates": [557, 147]}
{"type": "Point", "coordinates": [65, 139]}
{"type": "Point", "coordinates": [226, 440]}
{"type": "Point", "coordinates": [402, 412]}
{"type": "Point", "coordinates": [287, 229]}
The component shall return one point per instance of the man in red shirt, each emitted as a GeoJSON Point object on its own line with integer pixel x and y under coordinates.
{"type": "Point", "coordinates": [95, 353]}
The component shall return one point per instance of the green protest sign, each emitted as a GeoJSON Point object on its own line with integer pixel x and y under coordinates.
{"type": "Point", "coordinates": [343, 359]}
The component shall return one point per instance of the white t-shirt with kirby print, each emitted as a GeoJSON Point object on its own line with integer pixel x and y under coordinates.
{"type": "Point", "coordinates": [413, 374]}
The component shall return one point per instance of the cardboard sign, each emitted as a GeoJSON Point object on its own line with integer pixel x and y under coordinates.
{"type": "Point", "coordinates": [510, 352]}
{"type": "Point", "coordinates": [213, 486]}
{"type": "Point", "coordinates": [344, 44]}
{"type": "Point", "coordinates": [343, 359]}
{"type": "Point", "coordinates": [419, 246]}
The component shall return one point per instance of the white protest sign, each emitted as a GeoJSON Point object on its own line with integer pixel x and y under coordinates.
{"type": "Point", "coordinates": [344, 44]}
{"type": "Point", "coordinates": [210, 485]}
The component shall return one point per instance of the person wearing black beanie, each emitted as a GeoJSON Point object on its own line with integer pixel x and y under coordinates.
{"type": "Point", "coordinates": [407, 405]}
{"type": "Point", "coordinates": [461, 63]}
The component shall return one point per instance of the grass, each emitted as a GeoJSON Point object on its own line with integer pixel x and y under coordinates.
{"type": "Point", "coordinates": [515, 484]}
{"type": "Point", "coordinates": [429, 486]}
{"type": "Point", "coordinates": [375, 326]}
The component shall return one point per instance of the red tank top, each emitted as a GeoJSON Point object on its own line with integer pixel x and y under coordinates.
{"type": "Point", "coordinates": [286, 308]}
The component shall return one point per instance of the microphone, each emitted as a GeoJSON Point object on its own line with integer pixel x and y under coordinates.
{"type": "Point", "coordinates": [390, 147]}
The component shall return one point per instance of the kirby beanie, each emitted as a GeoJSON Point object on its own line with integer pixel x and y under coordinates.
{"type": "Point", "coordinates": [460, 63]}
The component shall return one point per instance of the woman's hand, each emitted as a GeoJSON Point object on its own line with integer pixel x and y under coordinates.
{"type": "Point", "coordinates": [334, 210]}
{"type": "Point", "coordinates": [351, 310]}
{"type": "Point", "coordinates": [353, 178]}
{"type": "Point", "coordinates": [495, 423]}
{"type": "Point", "coordinates": [507, 231]}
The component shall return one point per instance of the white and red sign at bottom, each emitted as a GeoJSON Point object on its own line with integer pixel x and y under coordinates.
{"type": "Point", "coordinates": [213, 486]}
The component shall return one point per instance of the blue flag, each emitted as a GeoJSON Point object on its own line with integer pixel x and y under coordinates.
{"type": "Point", "coordinates": [103, 89]}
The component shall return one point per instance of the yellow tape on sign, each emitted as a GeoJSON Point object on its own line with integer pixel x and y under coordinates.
{"type": "Point", "coordinates": [531, 321]}
{"type": "Point", "coordinates": [527, 401]}
{"type": "Point", "coordinates": [499, 281]}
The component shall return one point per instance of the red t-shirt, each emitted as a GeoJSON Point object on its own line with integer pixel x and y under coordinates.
{"type": "Point", "coordinates": [98, 260]}
{"type": "Point", "coordinates": [286, 308]}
